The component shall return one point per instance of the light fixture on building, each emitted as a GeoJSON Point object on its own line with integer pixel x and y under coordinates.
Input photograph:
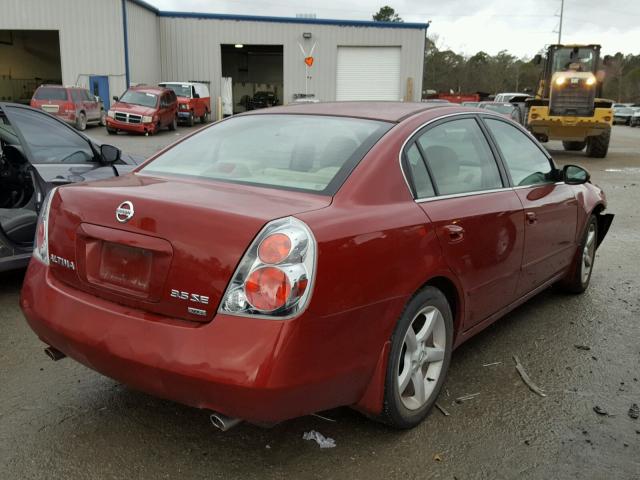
{"type": "Point", "coordinates": [239, 45]}
{"type": "Point", "coordinates": [306, 35]}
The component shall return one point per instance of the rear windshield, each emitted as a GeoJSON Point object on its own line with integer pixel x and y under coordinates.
{"type": "Point", "coordinates": [50, 93]}
{"type": "Point", "coordinates": [298, 152]}
{"type": "Point", "coordinates": [139, 98]}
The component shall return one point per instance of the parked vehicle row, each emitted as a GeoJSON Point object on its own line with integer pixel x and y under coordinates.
{"type": "Point", "coordinates": [141, 109]}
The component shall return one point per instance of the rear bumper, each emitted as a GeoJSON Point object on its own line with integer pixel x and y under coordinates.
{"type": "Point", "coordinates": [131, 127]}
{"type": "Point", "coordinates": [253, 369]}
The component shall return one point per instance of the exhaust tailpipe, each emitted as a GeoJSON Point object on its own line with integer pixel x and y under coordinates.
{"type": "Point", "coordinates": [54, 354]}
{"type": "Point", "coordinates": [223, 422]}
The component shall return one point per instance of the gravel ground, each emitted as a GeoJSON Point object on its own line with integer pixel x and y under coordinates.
{"type": "Point", "coordinates": [64, 421]}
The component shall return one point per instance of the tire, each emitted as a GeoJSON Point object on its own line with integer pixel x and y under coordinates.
{"type": "Point", "coordinates": [111, 131]}
{"type": "Point", "coordinates": [597, 147]}
{"type": "Point", "coordinates": [81, 122]}
{"type": "Point", "coordinates": [573, 146]}
{"type": "Point", "coordinates": [582, 268]}
{"type": "Point", "coordinates": [190, 120]}
{"type": "Point", "coordinates": [103, 118]}
{"type": "Point", "coordinates": [174, 124]}
{"type": "Point", "coordinates": [403, 406]}
{"type": "Point", "coordinates": [205, 118]}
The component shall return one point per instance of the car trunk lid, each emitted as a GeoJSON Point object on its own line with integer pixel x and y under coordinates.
{"type": "Point", "coordinates": [177, 252]}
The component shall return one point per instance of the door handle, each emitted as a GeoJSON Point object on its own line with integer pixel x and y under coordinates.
{"type": "Point", "coordinates": [455, 233]}
{"type": "Point", "coordinates": [531, 218]}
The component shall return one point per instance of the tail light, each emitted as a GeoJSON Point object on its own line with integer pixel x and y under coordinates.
{"type": "Point", "coordinates": [69, 107]}
{"type": "Point", "coordinates": [41, 250]}
{"type": "Point", "coordinates": [275, 276]}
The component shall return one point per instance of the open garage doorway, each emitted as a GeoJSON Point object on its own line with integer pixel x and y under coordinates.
{"type": "Point", "coordinates": [28, 58]}
{"type": "Point", "coordinates": [256, 75]}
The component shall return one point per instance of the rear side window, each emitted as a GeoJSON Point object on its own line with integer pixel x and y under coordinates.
{"type": "Point", "coordinates": [300, 152]}
{"type": "Point", "coordinates": [50, 93]}
{"type": "Point", "coordinates": [459, 158]}
{"type": "Point", "coordinates": [419, 174]}
{"type": "Point", "coordinates": [525, 161]}
{"type": "Point", "coordinates": [77, 96]}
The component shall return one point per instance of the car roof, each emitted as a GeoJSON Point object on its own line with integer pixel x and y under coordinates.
{"type": "Point", "coordinates": [374, 110]}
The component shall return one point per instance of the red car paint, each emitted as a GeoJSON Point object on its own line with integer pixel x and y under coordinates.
{"type": "Point", "coordinates": [376, 248]}
{"type": "Point", "coordinates": [129, 117]}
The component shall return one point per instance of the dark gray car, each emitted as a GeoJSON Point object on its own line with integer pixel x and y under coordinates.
{"type": "Point", "coordinates": [37, 153]}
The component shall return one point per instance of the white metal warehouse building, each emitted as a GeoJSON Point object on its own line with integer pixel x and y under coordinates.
{"type": "Point", "coordinates": [105, 45]}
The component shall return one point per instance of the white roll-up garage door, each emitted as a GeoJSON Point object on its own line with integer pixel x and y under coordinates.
{"type": "Point", "coordinates": [368, 73]}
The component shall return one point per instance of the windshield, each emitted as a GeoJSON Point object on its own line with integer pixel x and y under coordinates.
{"type": "Point", "coordinates": [300, 152]}
{"type": "Point", "coordinates": [139, 98]}
{"type": "Point", "coordinates": [179, 90]}
{"type": "Point", "coordinates": [46, 93]}
{"type": "Point", "coordinates": [577, 59]}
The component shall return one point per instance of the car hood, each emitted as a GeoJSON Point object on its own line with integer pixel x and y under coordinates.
{"type": "Point", "coordinates": [131, 108]}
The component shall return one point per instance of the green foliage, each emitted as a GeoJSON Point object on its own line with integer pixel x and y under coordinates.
{"type": "Point", "coordinates": [447, 71]}
{"type": "Point", "coordinates": [387, 14]}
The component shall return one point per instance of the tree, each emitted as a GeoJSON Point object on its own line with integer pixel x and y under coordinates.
{"type": "Point", "coordinates": [387, 14]}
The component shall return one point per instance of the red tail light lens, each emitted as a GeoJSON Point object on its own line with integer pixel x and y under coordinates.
{"type": "Point", "coordinates": [275, 276]}
{"type": "Point", "coordinates": [267, 289]}
{"type": "Point", "coordinates": [275, 248]}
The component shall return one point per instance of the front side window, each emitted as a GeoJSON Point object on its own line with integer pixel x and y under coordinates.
{"type": "Point", "coordinates": [300, 152]}
{"type": "Point", "coordinates": [140, 98]}
{"type": "Point", "coordinates": [525, 161]}
{"type": "Point", "coordinates": [459, 158]}
{"type": "Point", "coordinates": [49, 140]}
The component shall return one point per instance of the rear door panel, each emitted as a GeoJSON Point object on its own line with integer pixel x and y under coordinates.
{"type": "Point", "coordinates": [486, 254]}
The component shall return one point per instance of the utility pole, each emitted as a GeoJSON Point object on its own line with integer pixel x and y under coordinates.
{"type": "Point", "coordinates": [561, 18]}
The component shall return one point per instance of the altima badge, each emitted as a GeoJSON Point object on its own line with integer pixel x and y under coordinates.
{"type": "Point", "coordinates": [124, 212]}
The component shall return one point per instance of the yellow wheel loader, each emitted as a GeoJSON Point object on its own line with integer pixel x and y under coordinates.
{"type": "Point", "coordinates": [567, 105]}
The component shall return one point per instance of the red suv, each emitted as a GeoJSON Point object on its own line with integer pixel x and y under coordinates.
{"type": "Point", "coordinates": [74, 105]}
{"type": "Point", "coordinates": [143, 110]}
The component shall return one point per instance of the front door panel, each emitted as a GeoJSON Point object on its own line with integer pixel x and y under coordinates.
{"type": "Point", "coordinates": [551, 215]}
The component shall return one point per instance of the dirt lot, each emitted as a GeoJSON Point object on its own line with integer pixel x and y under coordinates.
{"type": "Point", "coordinates": [61, 420]}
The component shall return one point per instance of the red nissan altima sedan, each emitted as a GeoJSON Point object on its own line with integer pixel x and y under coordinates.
{"type": "Point", "coordinates": [301, 258]}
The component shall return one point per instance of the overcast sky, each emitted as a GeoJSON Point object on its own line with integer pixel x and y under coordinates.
{"type": "Point", "coordinates": [521, 26]}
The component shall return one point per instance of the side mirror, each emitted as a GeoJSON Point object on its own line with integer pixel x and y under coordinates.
{"type": "Point", "coordinates": [109, 154]}
{"type": "Point", "coordinates": [537, 60]}
{"type": "Point", "coordinates": [575, 175]}
{"type": "Point", "coordinates": [195, 95]}
{"type": "Point", "coordinates": [116, 98]}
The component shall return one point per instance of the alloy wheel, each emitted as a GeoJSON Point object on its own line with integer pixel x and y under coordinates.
{"type": "Point", "coordinates": [421, 358]}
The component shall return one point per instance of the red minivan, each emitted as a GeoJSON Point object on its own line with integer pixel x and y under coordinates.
{"type": "Point", "coordinates": [74, 105]}
{"type": "Point", "coordinates": [143, 110]}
